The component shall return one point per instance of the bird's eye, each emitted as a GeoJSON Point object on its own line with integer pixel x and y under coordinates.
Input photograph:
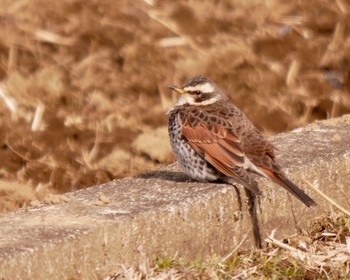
{"type": "Point", "coordinates": [197, 92]}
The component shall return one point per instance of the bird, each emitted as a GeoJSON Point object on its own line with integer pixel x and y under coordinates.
{"type": "Point", "coordinates": [213, 140]}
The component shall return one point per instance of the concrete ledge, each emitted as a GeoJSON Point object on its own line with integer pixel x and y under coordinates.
{"type": "Point", "coordinates": [161, 213]}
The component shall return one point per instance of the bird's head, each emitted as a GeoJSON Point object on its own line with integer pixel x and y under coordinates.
{"type": "Point", "coordinates": [198, 91]}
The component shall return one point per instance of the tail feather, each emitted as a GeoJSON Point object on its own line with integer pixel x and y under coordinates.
{"type": "Point", "coordinates": [293, 189]}
{"type": "Point", "coordinates": [289, 186]}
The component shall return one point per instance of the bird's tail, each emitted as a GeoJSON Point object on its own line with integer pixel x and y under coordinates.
{"type": "Point", "coordinates": [291, 187]}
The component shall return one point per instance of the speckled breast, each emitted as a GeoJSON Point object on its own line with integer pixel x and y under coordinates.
{"type": "Point", "coordinates": [191, 163]}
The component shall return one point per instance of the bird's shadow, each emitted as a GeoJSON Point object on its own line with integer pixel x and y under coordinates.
{"type": "Point", "coordinates": [172, 176]}
{"type": "Point", "coordinates": [181, 177]}
{"type": "Point", "coordinates": [166, 175]}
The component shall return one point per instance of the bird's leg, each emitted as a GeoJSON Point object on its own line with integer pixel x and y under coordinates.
{"type": "Point", "coordinates": [239, 199]}
{"type": "Point", "coordinates": [254, 217]}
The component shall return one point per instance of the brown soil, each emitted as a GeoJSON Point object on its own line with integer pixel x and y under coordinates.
{"type": "Point", "coordinates": [83, 86]}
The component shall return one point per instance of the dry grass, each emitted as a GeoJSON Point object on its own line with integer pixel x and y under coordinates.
{"type": "Point", "coordinates": [322, 254]}
{"type": "Point", "coordinates": [83, 83]}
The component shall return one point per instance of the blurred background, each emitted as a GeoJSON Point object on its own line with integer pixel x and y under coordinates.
{"type": "Point", "coordinates": [83, 83]}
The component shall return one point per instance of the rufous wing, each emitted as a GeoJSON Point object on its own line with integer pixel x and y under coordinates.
{"type": "Point", "coordinates": [221, 148]}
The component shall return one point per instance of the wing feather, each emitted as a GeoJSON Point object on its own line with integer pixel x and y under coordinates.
{"type": "Point", "coordinates": [239, 174]}
{"type": "Point", "coordinates": [221, 148]}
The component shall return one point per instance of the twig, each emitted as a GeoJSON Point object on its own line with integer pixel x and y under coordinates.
{"type": "Point", "coordinates": [38, 116]}
{"type": "Point", "coordinates": [331, 201]}
{"type": "Point", "coordinates": [149, 2]}
{"type": "Point", "coordinates": [9, 101]}
{"type": "Point", "coordinates": [235, 249]}
{"type": "Point", "coordinates": [239, 276]}
{"type": "Point", "coordinates": [293, 72]}
{"type": "Point", "coordinates": [172, 27]}
{"type": "Point", "coordinates": [343, 6]}
{"type": "Point", "coordinates": [172, 42]}
{"type": "Point", "coordinates": [17, 153]}
{"type": "Point", "coordinates": [91, 156]}
{"type": "Point", "coordinates": [48, 36]}
{"type": "Point", "coordinates": [271, 239]}
{"type": "Point", "coordinates": [12, 58]}
{"type": "Point", "coordinates": [294, 252]}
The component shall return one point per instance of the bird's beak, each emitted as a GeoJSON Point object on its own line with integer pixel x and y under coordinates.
{"type": "Point", "coordinates": [177, 89]}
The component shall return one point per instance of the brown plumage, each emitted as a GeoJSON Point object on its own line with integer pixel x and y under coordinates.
{"type": "Point", "coordinates": [212, 139]}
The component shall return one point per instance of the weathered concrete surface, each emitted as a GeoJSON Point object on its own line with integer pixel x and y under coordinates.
{"type": "Point", "coordinates": [161, 213]}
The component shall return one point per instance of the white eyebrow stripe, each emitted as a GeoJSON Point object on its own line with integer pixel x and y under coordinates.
{"type": "Point", "coordinates": [206, 88]}
{"type": "Point", "coordinates": [189, 99]}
